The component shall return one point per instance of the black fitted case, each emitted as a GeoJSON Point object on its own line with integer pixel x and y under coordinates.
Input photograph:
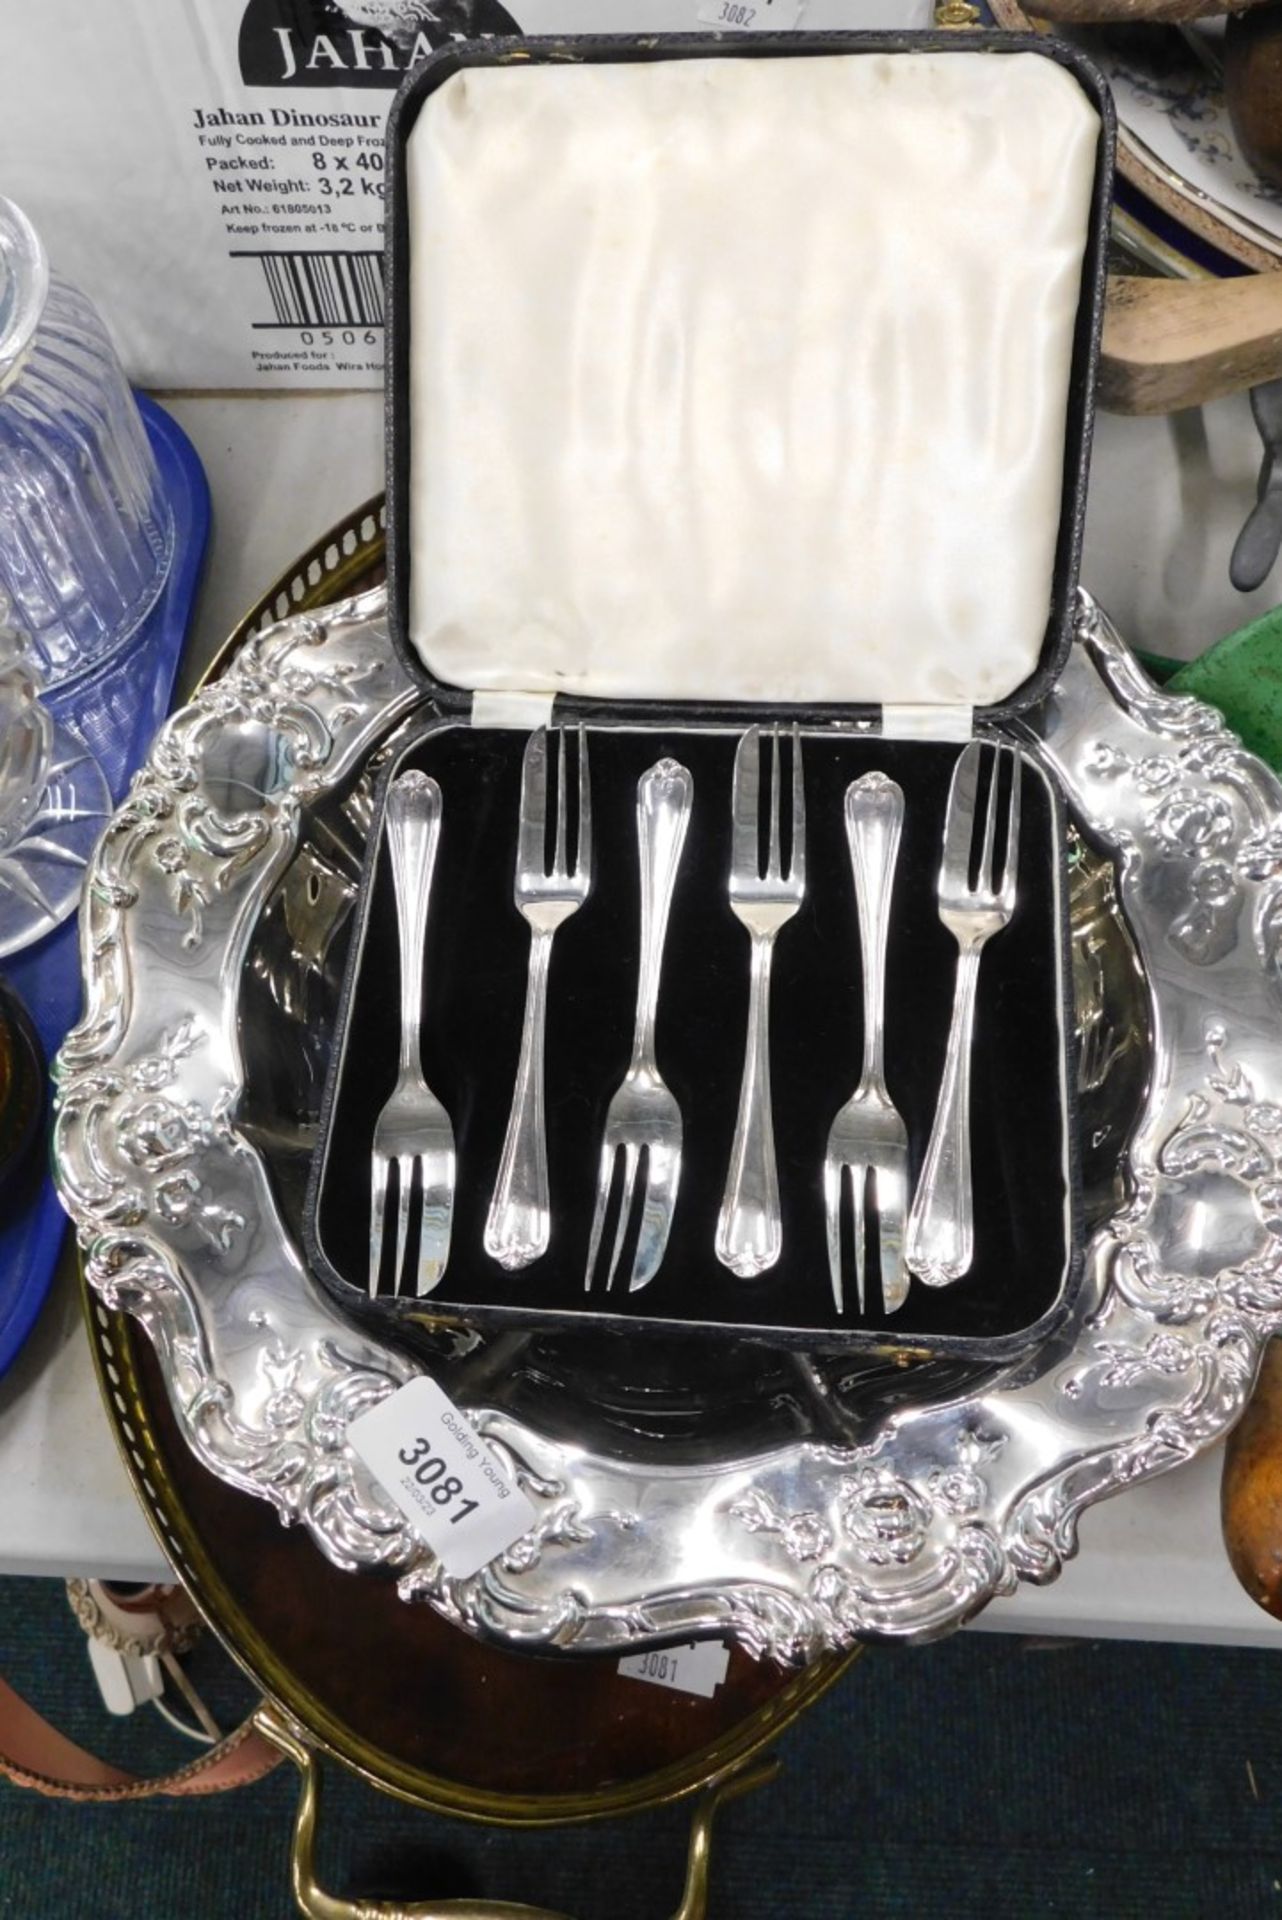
{"type": "Point", "coordinates": [1027, 1204]}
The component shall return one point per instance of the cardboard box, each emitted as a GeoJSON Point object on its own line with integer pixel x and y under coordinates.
{"type": "Point", "coordinates": [211, 173]}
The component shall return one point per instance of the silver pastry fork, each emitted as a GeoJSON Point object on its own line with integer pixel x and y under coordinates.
{"type": "Point", "coordinates": [519, 1223]}
{"type": "Point", "coordinates": [413, 1130]}
{"type": "Point", "coordinates": [749, 1234]}
{"type": "Point", "coordinates": [941, 1226]}
{"type": "Point", "coordinates": [868, 1144]}
{"type": "Point", "coordinates": [642, 1140]}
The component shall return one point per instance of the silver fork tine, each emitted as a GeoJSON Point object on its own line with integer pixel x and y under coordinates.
{"type": "Point", "coordinates": [378, 1206]}
{"type": "Point", "coordinates": [534, 788]}
{"type": "Point", "coordinates": [631, 1160]}
{"type": "Point", "coordinates": [797, 857]}
{"type": "Point", "coordinates": [434, 1227]}
{"type": "Point", "coordinates": [891, 1189]}
{"type": "Point", "coordinates": [959, 829]}
{"type": "Point", "coordinates": [659, 1186]}
{"type": "Point", "coordinates": [984, 878]}
{"type": "Point", "coordinates": [745, 852]}
{"type": "Point", "coordinates": [583, 849]}
{"type": "Point", "coordinates": [1010, 863]}
{"type": "Point", "coordinates": [558, 856]}
{"type": "Point", "coordinates": [604, 1181]}
{"type": "Point", "coordinates": [659, 1189]}
{"type": "Point", "coordinates": [772, 858]}
{"type": "Point", "coordinates": [832, 1214]}
{"type": "Point", "coordinates": [858, 1177]}
{"type": "Point", "coordinates": [405, 1168]}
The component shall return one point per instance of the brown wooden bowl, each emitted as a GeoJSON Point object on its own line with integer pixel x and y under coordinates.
{"type": "Point", "coordinates": [1253, 86]}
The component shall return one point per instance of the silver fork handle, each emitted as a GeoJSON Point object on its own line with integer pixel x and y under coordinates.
{"type": "Point", "coordinates": [413, 829]}
{"type": "Point", "coordinates": [519, 1224]}
{"type": "Point", "coordinates": [940, 1242]}
{"type": "Point", "coordinates": [874, 823]}
{"type": "Point", "coordinates": [749, 1226]}
{"type": "Point", "coordinates": [664, 797]}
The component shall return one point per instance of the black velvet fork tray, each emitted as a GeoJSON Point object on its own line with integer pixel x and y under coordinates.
{"type": "Point", "coordinates": [1026, 1263]}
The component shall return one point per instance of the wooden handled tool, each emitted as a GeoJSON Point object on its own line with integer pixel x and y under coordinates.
{"type": "Point", "coordinates": [1179, 343]}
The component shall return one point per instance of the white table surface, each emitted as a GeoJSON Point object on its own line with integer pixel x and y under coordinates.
{"type": "Point", "coordinates": [1167, 498]}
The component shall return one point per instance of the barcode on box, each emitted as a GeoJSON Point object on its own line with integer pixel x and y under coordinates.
{"type": "Point", "coordinates": [321, 289]}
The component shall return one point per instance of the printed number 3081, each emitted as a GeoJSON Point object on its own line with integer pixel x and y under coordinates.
{"type": "Point", "coordinates": [429, 1471]}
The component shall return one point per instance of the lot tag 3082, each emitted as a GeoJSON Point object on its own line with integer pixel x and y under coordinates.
{"type": "Point", "coordinates": [751, 16]}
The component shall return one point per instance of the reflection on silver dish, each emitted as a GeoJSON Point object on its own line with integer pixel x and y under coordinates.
{"type": "Point", "coordinates": [799, 1503]}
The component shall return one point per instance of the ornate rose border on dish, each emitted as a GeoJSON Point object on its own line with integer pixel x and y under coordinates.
{"type": "Point", "coordinates": [801, 1548]}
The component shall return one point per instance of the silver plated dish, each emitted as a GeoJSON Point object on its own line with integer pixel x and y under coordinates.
{"type": "Point", "coordinates": [793, 1502]}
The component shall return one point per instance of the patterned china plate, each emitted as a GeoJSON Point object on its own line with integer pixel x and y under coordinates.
{"type": "Point", "coordinates": [1177, 146]}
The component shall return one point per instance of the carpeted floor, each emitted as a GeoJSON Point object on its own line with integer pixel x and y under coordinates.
{"type": "Point", "coordinates": [982, 1777]}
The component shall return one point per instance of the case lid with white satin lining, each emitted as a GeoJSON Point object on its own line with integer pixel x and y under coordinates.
{"type": "Point", "coordinates": [744, 379]}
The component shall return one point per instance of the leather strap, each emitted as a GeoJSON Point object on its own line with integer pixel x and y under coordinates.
{"type": "Point", "coordinates": [34, 1754]}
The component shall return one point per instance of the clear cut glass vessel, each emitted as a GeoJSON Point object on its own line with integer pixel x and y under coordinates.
{"type": "Point", "coordinates": [85, 532]}
{"type": "Point", "coordinates": [54, 802]}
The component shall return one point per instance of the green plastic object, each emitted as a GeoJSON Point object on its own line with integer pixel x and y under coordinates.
{"type": "Point", "coordinates": [1157, 666]}
{"type": "Point", "coordinates": [1242, 676]}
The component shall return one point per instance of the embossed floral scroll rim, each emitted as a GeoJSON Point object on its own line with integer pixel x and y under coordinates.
{"type": "Point", "coordinates": [805, 1547]}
